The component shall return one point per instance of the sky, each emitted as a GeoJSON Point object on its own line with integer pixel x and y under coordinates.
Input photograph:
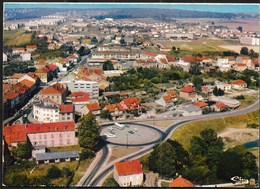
{"type": "Point", "coordinates": [235, 8]}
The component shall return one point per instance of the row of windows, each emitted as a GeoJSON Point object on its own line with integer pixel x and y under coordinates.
{"type": "Point", "coordinates": [52, 142]}
{"type": "Point", "coordinates": [45, 136]}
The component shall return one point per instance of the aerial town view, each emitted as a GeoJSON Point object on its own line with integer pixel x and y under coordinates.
{"type": "Point", "coordinates": [130, 95]}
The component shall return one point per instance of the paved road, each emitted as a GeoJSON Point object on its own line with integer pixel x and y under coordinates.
{"type": "Point", "coordinates": [95, 181]}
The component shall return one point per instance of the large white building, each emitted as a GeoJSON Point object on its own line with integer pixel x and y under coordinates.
{"type": "Point", "coordinates": [128, 173]}
{"type": "Point", "coordinates": [46, 112]}
{"type": "Point", "coordinates": [249, 40]}
{"type": "Point", "coordinates": [90, 87]}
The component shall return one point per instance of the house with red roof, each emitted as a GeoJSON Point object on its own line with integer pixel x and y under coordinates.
{"type": "Point", "coordinates": [130, 103]}
{"type": "Point", "coordinates": [94, 108]}
{"type": "Point", "coordinates": [53, 68]}
{"type": "Point", "coordinates": [45, 74]}
{"type": "Point", "coordinates": [188, 92]}
{"type": "Point", "coordinates": [56, 93]}
{"type": "Point", "coordinates": [31, 48]}
{"type": "Point", "coordinates": [219, 106]}
{"type": "Point", "coordinates": [66, 112]}
{"type": "Point", "coordinates": [18, 50]}
{"type": "Point", "coordinates": [167, 99]}
{"type": "Point", "coordinates": [181, 182]}
{"type": "Point", "coordinates": [240, 67]}
{"type": "Point", "coordinates": [41, 134]}
{"type": "Point", "coordinates": [239, 85]}
{"type": "Point", "coordinates": [146, 55]}
{"type": "Point", "coordinates": [128, 173]}
{"type": "Point", "coordinates": [116, 110]}
{"type": "Point", "coordinates": [200, 104]}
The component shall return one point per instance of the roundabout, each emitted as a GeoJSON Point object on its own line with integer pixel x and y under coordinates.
{"type": "Point", "coordinates": [133, 134]}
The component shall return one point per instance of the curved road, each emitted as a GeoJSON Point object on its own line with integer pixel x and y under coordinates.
{"type": "Point", "coordinates": [93, 180]}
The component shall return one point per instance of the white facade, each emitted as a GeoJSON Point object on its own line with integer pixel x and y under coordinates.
{"type": "Point", "coordinates": [26, 56]}
{"type": "Point", "coordinates": [52, 139]}
{"type": "Point", "coordinates": [232, 103]}
{"type": "Point", "coordinates": [128, 180]}
{"type": "Point", "coordinates": [4, 57]}
{"type": "Point", "coordinates": [46, 113]}
{"type": "Point", "coordinates": [223, 86]}
{"type": "Point", "coordinates": [249, 40]}
{"type": "Point", "coordinates": [181, 63]}
{"type": "Point", "coordinates": [90, 87]}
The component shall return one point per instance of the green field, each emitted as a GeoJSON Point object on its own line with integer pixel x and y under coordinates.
{"type": "Point", "coordinates": [199, 46]}
{"type": "Point", "coordinates": [184, 133]}
{"type": "Point", "coordinates": [16, 38]}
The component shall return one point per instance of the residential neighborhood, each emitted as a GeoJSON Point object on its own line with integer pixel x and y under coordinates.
{"type": "Point", "coordinates": [105, 98]}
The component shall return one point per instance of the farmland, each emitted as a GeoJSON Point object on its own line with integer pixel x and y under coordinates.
{"type": "Point", "coordinates": [16, 38]}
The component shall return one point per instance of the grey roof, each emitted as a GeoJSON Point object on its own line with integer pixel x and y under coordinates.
{"type": "Point", "coordinates": [56, 155]}
{"type": "Point", "coordinates": [191, 108]}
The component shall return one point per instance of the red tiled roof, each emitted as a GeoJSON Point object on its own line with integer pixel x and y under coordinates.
{"type": "Point", "coordinates": [93, 107]}
{"type": "Point", "coordinates": [66, 108]}
{"type": "Point", "coordinates": [163, 61]}
{"type": "Point", "coordinates": [19, 49]}
{"type": "Point", "coordinates": [149, 53]}
{"type": "Point", "coordinates": [141, 61]}
{"type": "Point", "coordinates": [230, 58]}
{"type": "Point", "coordinates": [27, 83]}
{"type": "Point", "coordinates": [181, 182]}
{"type": "Point", "coordinates": [170, 58]}
{"type": "Point", "coordinates": [188, 89]}
{"type": "Point", "coordinates": [52, 67]}
{"type": "Point", "coordinates": [112, 107]}
{"type": "Point", "coordinates": [15, 133]}
{"type": "Point", "coordinates": [79, 94]}
{"type": "Point", "coordinates": [50, 127]}
{"type": "Point", "coordinates": [72, 57]}
{"type": "Point", "coordinates": [167, 99]}
{"type": "Point", "coordinates": [191, 59]}
{"type": "Point", "coordinates": [82, 99]}
{"type": "Point", "coordinates": [31, 47]}
{"type": "Point", "coordinates": [42, 70]}
{"type": "Point", "coordinates": [172, 94]}
{"type": "Point", "coordinates": [131, 101]}
{"type": "Point", "coordinates": [220, 105]}
{"type": "Point", "coordinates": [151, 60]}
{"type": "Point", "coordinates": [10, 95]}
{"type": "Point", "coordinates": [240, 64]}
{"type": "Point", "coordinates": [238, 82]}
{"type": "Point", "coordinates": [57, 88]}
{"type": "Point", "coordinates": [200, 104]}
{"type": "Point", "coordinates": [17, 76]}
{"type": "Point", "coordinates": [205, 88]}
{"type": "Point", "coordinates": [129, 167]}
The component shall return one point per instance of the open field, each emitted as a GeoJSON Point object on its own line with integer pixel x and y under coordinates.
{"type": "Point", "coordinates": [16, 38]}
{"type": "Point", "coordinates": [237, 48]}
{"type": "Point", "coordinates": [184, 133]}
{"type": "Point", "coordinates": [248, 24]}
{"type": "Point", "coordinates": [118, 152]}
{"type": "Point", "coordinates": [202, 45]}
{"type": "Point", "coordinates": [249, 100]}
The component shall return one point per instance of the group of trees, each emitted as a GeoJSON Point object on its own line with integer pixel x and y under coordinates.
{"type": "Point", "coordinates": [204, 162]}
{"type": "Point", "coordinates": [18, 67]}
{"type": "Point", "coordinates": [108, 65]}
{"type": "Point", "coordinates": [245, 51]}
{"type": "Point", "coordinates": [145, 78]}
{"type": "Point", "coordinates": [218, 91]}
{"type": "Point", "coordinates": [88, 136]}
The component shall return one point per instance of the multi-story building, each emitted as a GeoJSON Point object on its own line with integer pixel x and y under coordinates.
{"type": "Point", "coordinates": [115, 55]}
{"type": "Point", "coordinates": [90, 87]}
{"type": "Point", "coordinates": [128, 173]}
{"type": "Point", "coordinates": [188, 92]}
{"type": "Point", "coordinates": [56, 93]}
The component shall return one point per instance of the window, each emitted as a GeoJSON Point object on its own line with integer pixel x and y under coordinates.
{"type": "Point", "coordinates": [52, 136]}
{"type": "Point", "coordinates": [45, 136]}
{"type": "Point", "coordinates": [60, 135]}
{"type": "Point", "coordinates": [68, 141]}
{"type": "Point", "coordinates": [40, 137]}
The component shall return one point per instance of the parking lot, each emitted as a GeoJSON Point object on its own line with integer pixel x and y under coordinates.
{"type": "Point", "coordinates": [132, 134]}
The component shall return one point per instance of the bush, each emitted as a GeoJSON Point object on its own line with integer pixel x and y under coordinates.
{"type": "Point", "coordinates": [86, 153]}
{"type": "Point", "coordinates": [66, 172]}
{"type": "Point", "coordinates": [54, 172]}
{"type": "Point", "coordinates": [240, 97]}
{"type": "Point", "coordinates": [253, 125]}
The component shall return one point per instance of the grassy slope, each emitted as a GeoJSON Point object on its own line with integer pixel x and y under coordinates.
{"type": "Point", "coordinates": [16, 38]}
{"type": "Point", "coordinates": [184, 133]}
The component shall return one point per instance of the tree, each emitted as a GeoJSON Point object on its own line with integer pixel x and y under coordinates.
{"type": "Point", "coordinates": [105, 114]}
{"type": "Point", "coordinates": [83, 51]}
{"type": "Point", "coordinates": [168, 159]}
{"type": "Point", "coordinates": [22, 151]}
{"type": "Point", "coordinates": [195, 69]}
{"type": "Point", "coordinates": [20, 180]}
{"type": "Point", "coordinates": [66, 172]}
{"type": "Point", "coordinates": [54, 172]}
{"type": "Point", "coordinates": [218, 91]}
{"type": "Point", "coordinates": [108, 65]}
{"type": "Point", "coordinates": [244, 51]}
{"type": "Point", "coordinates": [197, 173]}
{"type": "Point", "coordinates": [88, 132]}
{"type": "Point", "coordinates": [86, 153]}
{"type": "Point", "coordinates": [240, 28]}
{"type": "Point", "coordinates": [197, 82]}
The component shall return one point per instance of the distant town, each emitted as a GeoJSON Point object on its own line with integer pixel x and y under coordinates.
{"type": "Point", "coordinates": [101, 97]}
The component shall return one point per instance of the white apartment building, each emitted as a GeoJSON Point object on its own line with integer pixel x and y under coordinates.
{"type": "Point", "coordinates": [90, 87]}
{"type": "Point", "coordinates": [249, 40]}
{"type": "Point", "coordinates": [26, 56]}
{"type": "Point", "coordinates": [45, 112]}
